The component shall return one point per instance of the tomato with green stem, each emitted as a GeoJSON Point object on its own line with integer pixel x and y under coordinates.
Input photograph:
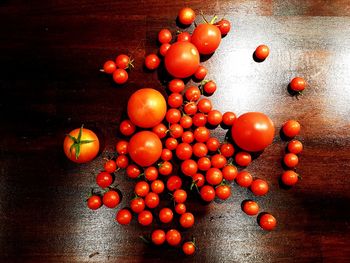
{"type": "Point", "coordinates": [206, 37]}
{"type": "Point", "coordinates": [124, 62]}
{"type": "Point", "coordinates": [161, 130]}
{"type": "Point", "coordinates": [165, 168]}
{"type": "Point", "coordinates": [198, 180]}
{"type": "Point", "coordinates": [224, 26]}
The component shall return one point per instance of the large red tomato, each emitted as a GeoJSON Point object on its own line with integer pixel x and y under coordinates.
{"type": "Point", "coordinates": [146, 108]}
{"type": "Point", "coordinates": [253, 131]}
{"type": "Point", "coordinates": [182, 59]}
{"type": "Point", "coordinates": [145, 148]}
{"type": "Point", "coordinates": [207, 38]}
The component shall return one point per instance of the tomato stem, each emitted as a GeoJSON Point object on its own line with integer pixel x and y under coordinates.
{"type": "Point", "coordinates": [212, 21]}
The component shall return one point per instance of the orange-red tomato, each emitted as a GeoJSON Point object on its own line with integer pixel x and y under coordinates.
{"type": "Point", "coordinates": [291, 128]}
{"type": "Point", "coordinates": [259, 187]}
{"type": "Point", "coordinates": [186, 16]}
{"type": "Point", "coordinates": [145, 148]}
{"type": "Point", "coordinates": [262, 52]}
{"type": "Point", "coordinates": [298, 84]}
{"type": "Point", "coordinates": [158, 237]}
{"type": "Point", "coordinates": [83, 149]}
{"type": "Point", "coordinates": [182, 59]}
{"type": "Point", "coordinates": [251, 208]}
{"type": "Point", "coordinates": [290, 178]}
{"type": "Point", "coordinates": [173, 237]}
{"type": "Point", "coordinates": [295, 146]}
{"type": "Point", "coordinates": [291, 160]}
{"type": "Point", "coordinates": [253, 131]}
{"type": "Point", "coordinates": [207, 38]}
{"type": "Point", "coordinates": [189, 248]}
{"type": "Point", "coordinates": [267, 222]}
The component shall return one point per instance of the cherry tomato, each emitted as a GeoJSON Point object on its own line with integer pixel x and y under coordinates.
{"type": "Point", "coordinates": [204, 163]}
{"type": "Point", "coordinates": [166, 215]}
{"type": "Point", "coordinates": [171, 144]}
{"type": "Point", "coordinates": [224, 26]}
{"type": "Point", "coordinates": [109, 67]}
{"type": "Point", "coordinates": [204, 105]}
{"type": "Point", "coordinates": [122, 147]}
{"type": "Point", "coordinates": [152, 61]}
{"type": "Point", "coordinates": [161, 130]}
{"type": "Point", "coordinates": [188, 248]}
{"type": "Point", "coordinates": [291, 160]}
{"type": "Point", "coordinates": [209, 87]}
{"type": "Point", "coordinates": [137, 205]}
{"type": "Point", "coordinates": [124, 217]}
{"type": "Point", "coordinates": [111, 199]}
{"type": "Point", "coordinates": [200, 73]}
{"type": "Point", "coordinates": [244, 179]}
{"type": "Point", "coordinates": [145, 218]}
{"type": "Point", "coordinates": [291, 128]}
{"type": "Point", "coordinates": [199, 119]}
{"type": "Point", "coordinates": [259, 187]}
{"type": "Point", "coordinates": [253, 131]}
{"type": "Point", "coordinates": [180, 208]}
{"type": "Point", "coordinates": [198, 180]}
{"type": "Point", "coordinates": [218, 161]}
{"type": "Point", "coordinates": [104, 179]}
{"type": "Point", "coordinates": [120, 76]}
{"type": "Point", "coordinates": [110, 166]}
{"type": "Point", "coordinates": [187, 220]}
{"type": "Point", "coordinates": [182, 59]}
{"type": "Point", "coordinates": [180, 196]}
{"type": "Point", "coordinates": [189, 167]}
{"type": "Point", "coordinates": [200, 149]}
{"type": "Point", "coordinates": [201, 134]}
{"type": "Point", "coordinates": [173, 116]}
{"type": "Point", "coordinates": [132, 171]}
{"type": "Point", "coordinates": [297, 84]}
{"type": "Point", "coordinates": [228, 118]}
{"type": "Point", "coordinates": [175, 100]}
{"type": "Point", "coordinates": [193, 93]}
{"type": "Point", "coordinates": [295, 146]}
{"type": "Point", "coordinates": [229, 172]}
{"type": "Point", "coordinates": [146, 108]}
{"type": "Point", "coordinates": [176, 130]}
{"type": "Point", "coordinates": [214, 117]}
{"type": "Point", "coordinates": [251, 208]}
{"type": "Point", "coordinates": [187, 137]}
{"type": "Point", "coordinates": [141, 188]}
{"type": "Point", "coordinates": [81, 145]}
{"type": "Point", "coordinates": [261, 52]}
{"type": "Point", "coordinates": [158, 237]}
{"type": "Point", "coordinates": [207, 193]}
{"type": "Point", "coordinates": [123, 61]}
{"type": "Point", "coordinates": [223, 192]}
{"type": "Point", "coordinates": [190, 108]}
{"type": "Point", "coordinates": [122, 161]}
{"type": "Point", "coordinates": [176, 85]}
{"type": "Point", "coordinates": [151, 173]}
{"type": "Point", "coordinates": [227, 150]}
{"type": "Point", "coordinates": [243, 158]}
{"type": "Point", "coordinates": [157, 186]}
{"type": "Point", "coordinates": [164, 36]}
{"type": "Point", "coordinates": [289, 178]}
{"type": "Point", "coordinates": [152, 200]}
{"type": "Point", "coordinates": [127, 128]}
{"type": "Point", "coordinates": [267, 222]}
{"type": "Point", "coordinates": [145, 148]}
{"type": "Point", "coordinates": [164, 49]}
{"type": "Point", "coordinates": [214, 176]}
{"type": "Point", "coordinates": [94, 202]}
{"type": "Point", "coordinates": [186, 16]}
{"type": "Point", "coordinates": [174, 182]}
{"type": "Point", "coordinates": [173, 237]}
{"type": "Point", "coordinates": [166, 155]}
{"type": "Point", "coordinates": [184, 37]}
{"type": "Point", "coordinates": [186, 121]}
{"type": "Point", "coordinates": [207, 38]}
{"type": "Point", "coordinates": [213, 144]}
{"type": "Point", "coordinates": [184, 151]}
{"type": "Point", "coordinates": [165, 168]}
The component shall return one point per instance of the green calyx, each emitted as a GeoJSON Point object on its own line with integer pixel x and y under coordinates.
{"type": "Point", "coordinates": [77, 142]}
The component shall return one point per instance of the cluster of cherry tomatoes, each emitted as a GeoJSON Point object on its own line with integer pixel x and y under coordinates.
{"type": "Point", "coordinates": [118, 68]}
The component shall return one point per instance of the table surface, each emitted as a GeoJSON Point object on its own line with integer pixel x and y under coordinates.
{"type": "Point", "coordinates": [51, 53]}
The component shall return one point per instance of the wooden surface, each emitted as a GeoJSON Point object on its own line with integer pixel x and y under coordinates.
{"type": "Point", "coordinates": [51, 52]}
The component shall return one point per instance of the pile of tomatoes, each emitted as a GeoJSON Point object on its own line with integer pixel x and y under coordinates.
{"type": "Point", "coordinates": [168, 145]}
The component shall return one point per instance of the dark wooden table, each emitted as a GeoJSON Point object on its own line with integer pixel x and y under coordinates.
{"type": "Point", "coordinates": [51, 52]}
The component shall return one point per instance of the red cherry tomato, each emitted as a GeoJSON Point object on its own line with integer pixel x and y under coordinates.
{"type": "Point", "coordinates": [186, 16]}
{"type": "Point", "coordinates": [190, 108]}
{"type": "Point", "coordinates": [187, 220]}
{"type": "Point", "coordinates": [109, 67]}
{"type": "Point", "coordinates": [289, 178]}
{"type": "Point", "coordinates": [157, 186]}
{"type": "Point", "coordinates": [180, 196]}
{"type": "Point", "coordinates": [104, 179]}
{"type": "Point", "coordinates": [151, 173]}
{"type": "Point", "coordinates": [213, 144]}
{"type": "Point", "coordinates": [145, 218]}
{"type": "Point", "coordinates": [175, 100]}
{"type": "Point", "coordinates": [137, 205]}
{"type": "Point", "coordinates": [200, 73]}
{"type": "Point", "coordinates": [188, 248]}
{"type": "Point", "coordinates": [122, 161]}
{"type": "Point", "coordinates": [94, 202]}
{"type": "Point", "coordinates": [207, 193]}
{"type": "Point", "coordinates": [244, 179]}
{"type": "Point", "coordinates": [291, 128]}
{"type": "Point", "coordinates": [152, 200]}
{"type": "Point", "coordinates": [124, 217]}
{"type": "Point", "coordinates": [184, 151]}
{"type": "Point", "coordinates": [180, 208]}
{"type": "Point", "coordinates": [193, 93]}
{"type": "Point", "coordinates": [166, 215]}
{"type": "Point", "coordinates": [171, 143]}
{"type": "Point", "coordinates": [165, 168]}
{"type": "Point", "coordinates": [161, 130]}
{"type": "Point", "coordinates": [259, 187]}
{"type": "Point", "coordinates": [223, 192]}
{"type": "Point", "coordinates": [173, 237]}
{"type": "Point", "coordinates": [186, 121]}
{"type": "Point", "coordinates": [198, 180]}
{"type": "Point", "coordinates": [120, 76]}
{"type": "Point", "coordinates": [295, 146]}
{"type": "Point", "coordinates": [166, 155]}
{"type": "Point", "coordinates": [158, 237]}
{"type": "Point", "coordinates": [199, 119]}
{"type": "Point", "coordinates": [298, 84]}
{"type": "Point", "coordinates": [173, 116]}
{"type": "Point", "coordinates": [164, 36]}
{"type": "Point", "coordinates": [229, 172]}
{"type": "Point", "coordinates": [111, 199]}
{"type": "Point", "coordinates": [123, 61]}
{"type": "Point", "coordinates": [174, 182]}
{"type": "Point", "coordinates": [127, 128]}
{"type": "Point", "coordinates": [187, 137]}
{"type": "Point", "coordinates": [204, 163]}
{"type": "Point", "coordinates": [176, 85]}
{"type": "Point", "coordinates": [214, 176]}
{"type": "Point", "coordinates": [189, 167]}
{"type": "Point", "coordinates": [243, 159]}
{"type": "Point", "coordinates": [110, 166]}
{"type": "Point", "coordinates": [209, 87]}
{"type": "Point", "coordinates": [227, 150]}
{"type": "Point", "coordinates": [291, 160]}
{"type": "Point", "coordinates": [152, 61]}
{"type": "Point", "coordinates": [251, 208]}
{"type": "Point", "coordinates": [122, 147]}
{"type": "Point", "coordinates": [267, 222]}
{"type": "Point", "coordinates": [262, 52]}
{"type": "Point", "coordinates": [207, 38]}
{"type": "Point", "coordinates": [218, 161]}
{"type": "Point", "coordinates": [200, 149]}
{"type": "Point", "coordinates": [214, 117]}
{"type": "Point", "coordinates": [201, 134]}
{"type": "Point", "coordinates": [176, 130]}
{"type": "Point", "coordinates": [228, 118]}
{"type": "Point", "coordinates": [133, 171]}
{"type": "Point", "coordinates": [164, 49]}
{"type": "Point", "coordinates": [204, 105]}
{"type": "Point", "coordinates": [141, 188]}
{"type": "Point", "coordinates": [224, 26]}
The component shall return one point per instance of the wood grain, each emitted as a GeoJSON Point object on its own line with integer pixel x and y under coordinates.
{"type": "Point", "coordinates": [50, 83]}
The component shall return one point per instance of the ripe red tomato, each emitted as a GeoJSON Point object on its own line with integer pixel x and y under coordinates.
{"type": "Point", "coordinates": [180, 208]}
{"type": "Point", "coordinates": [145, 218]}
{"type": "Point", "coordinates": [189, 167]}
{"type": "Point", "coordinates": [152, 200]}
{"type": "Point", "coordinates": [182, 59]}
{"type": "Point", "coordinates": [243, 159]}
{"type": "Point", "coordinates": [187, 137]}
{"type": "Point", "coordinates": [175, 100]}
{"type": "Point", "coordinates": [166, 155]}
{"type": "Point", "coordinates": [173, 237]}
{"type": "Point", "coordinates": [145, 148]}
{"type": "Point", "coordinates": [122, 161]}
{"type": "Point", "coordinates": [201, 134]}
{"type": "Point", "coordinates": [227, 150]}
{"type": "Point", "coordinates": [109, 67]}
{"type": "Point", "coordinates": [81, 145]}
{"type": "Point", "coordinates": [180, 196]}
{"type": "Point", "coordinates": [223, 192]}
{"type": "Point", "coordinates": [123, 61]}
{"type": "Point", "coordinates": [152, 61]}
{"type": "Point", "coordinates": [193, 93]}
{"type": "Point", "coordinates": [104, 179]}
{"type": "Point", "coordinates": [190, 108]}
{"type": "Point", "coordinates": [289, 178]}
{"type": "Point", "coordinates": [200, 149]}
{"type": "Point", "coordinates": [188, 248]}
{"type": "Point", "coordinates": [291, 128]}
{"type": "Point", "coordinates": [151, 173]}
{"type": "Point", "coordinates": [261, 52]}
{"type": "Point", "coordinates": [124, 217]}
{"type": "Point", "coordinates": [173, 116]}
{"type": "Point", "coordinates": [176, 130]}
{"type": "Point", "coordinates": [214, 117]}
{"type": "Point", "coordinates": [164, 36]}
{"type": "Point", "coordinates": [207, 193]}
{"type": "Point", "coordinates": [165, 168]}
{"type": "Point", "coordinates": [122, 147]}
{"type": "Point", "coordinates": [158, 237]}
{"type": "Point", "coordinates": [111, 199]}
{"type": "Point", "coordinates": [291, 160]}
{"type": "Point", "coordinates": [224, 26]}
{"type": "Point", "coordinates": [161, 130]}
{"type": "Point", "coordinates": [207, 38]}
{"type": "Point", "coordinates": [218, 161]}
{"type": "Point", "coordinates": [132, 171]}
{"type": "Point", "coordinates": [174, 182]}
{"type": "Point", "coordinates": [244, 179]}
{"type": "Point", "coordinates": [110, 166]}
{"type": "Point", "coordinates": [137, 205]}
{"type": "Point", "coordinates": [127, 128]}
{"type": "Point", "coordinates": [228, 118]}
{"type": "Point", "coordinates": [186, 16]}
{"type": "Point", "coordinates": [213, 144]}
{"type": "Point", "coordinates": [214, 176]}
{"type": "Point", "coordinates": [120, 76]}
{"type": "Point", "coordinates": [298, 84]}
{"type": "Point", "coordinates": [267, 222]}
{"type": "Point", "coordinates": [164, 49]}
{"type": "Point", "coordinates": [295, 146]}
{"type": "Point", "coordinates": [176, 85]}
{"type": "Point", "coordinates": [204, 163]}
{"type": "Point", "coordinates": [141, 188]}
{"type": "Point", "coordinates": [229, 172]}
{"type": "Point", "coordinates": [171, 143]}
{"type": "Point", "coordinates": [166, 215]}
{"type": "Point", "coordinates": [186, 121]}
{"type": "Point", "coordinates": [184, 36]}
{"type": "Point", "coordinates": [146, 108]}
{"type": "Point", "coordinates": [200, 73]}
{"type": "Point", "coordinates": [184, 151]}
{"type": "Point", "coordinates": [199, 119]}
{"type": "Point", "coordinates": [94, 202]}
{"type": "Point", "coordinates": [204, 105]}
{"type": "Point", "coordinates": [187, 220]}
{"type": "Point", "coordinates": [251, 208]}
{"type": "Point", "coordinates": [253, 131]}
{"type": "Point", "coordinates": [157, 186]}
{"type": "Point", "coordinates": [259, 187]}
{"type": "Point", "coordinates": [210, 87]}
{"type": "Point", "coordinates": [198, 180]}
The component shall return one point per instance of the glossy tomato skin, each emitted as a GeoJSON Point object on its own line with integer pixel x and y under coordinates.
{"type": "Point", "coordinates": [137, 205]}
{"type": "Point", "coordinates": [124, 217]}
{"type": "Point", "coordinates": [244, 179]}
{"type": "Point", "coordinates": [166, 215]}
{"type": "Point", "coordinates": [127, 128]}
{"type": "Point", "coordinates": [184, 36]}
{"type": "Point", "coordinates": [291, 128]}
{"type": "Point", "coordinates": [189, 167]}
{"type": "Point", "coordinates": [145, 148]}
{"type": "Point", "coordinates": [214, 176]}
{"type": "Point", "coordinates": [111, 199]}
{"type": "Point", "coordinates": [145, 218]}
{"type": "Point", "coordinates": [104, 179]}
{"type": "Point", "coordinates": [295, 146]}
{"type": "Point", "coordinates": [262, 52]}
{"type": "Point", "coordinates": [180, 209]}
{"type": "Point", "coordinates": [152, 61]}
{"type": "Point", "coordinates": [164, 49]}
{"type": "Point", "coordinates": [207, 38]}
{"type": "Point", "coordinates": [291, 160]}
{"type": "Point", "coordinates": [188, 248]}
{"type": "Point", "coordinates": [243, 159]}
{"type": "Point", "coordinates": [88, 151]}
{"type": "Point", "coordinates": [94, 202]}
{"type": "Point", "coordinates": [120, 76]}
{"type": "Point", "coordinates": [182, 59]}
{"type": "Point", "coordinates": [151, 173]}
{"type": "Point", "coordinates": [251, 208]}
{"type": "Point", "coordinates": [224, 26]}
{"type": "Point", "coordinates": [297, 84]}
{"type": "Point", "coordinates": [186, 16]}
{"type": "Point", "coordinates": [229, 172]}
{"type": "Point", "coordinates": [158, 237]}
{"type": "Point", "coordinates": [267, 222]}
{"type": "Point", "coordinates": [253, 131]}
{"type": "Point", "coordinates": [289, 178]}
{"type": "Point", "coordinates": [174, 182]}
{"type": "Point", "coordinates": [109, 67]}
{"type": "Point", "coordinates": [164, 36]}
{"type": "Point", "coordinates": [146, 108]}
{"type": "Point", "coordinates": [157, 186]}
{"type": "Point", "coordinates": [259, 187]}
{"type": "Point", "coordinates": [173, 237]}
{"type": "Point", "coordinates": [187, 220]}
{"type": "Point", "coordinates": [207, 193]}
{"type": "Point", "coordinates": [223, 192]}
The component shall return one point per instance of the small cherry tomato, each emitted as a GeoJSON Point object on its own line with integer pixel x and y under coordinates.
{"type": "Point", "coordinates": [186, 121]}
{"type": "Point", "coordinates": [251, 208]}
{"type": "Point", "coordinates": [186, 16]}
{"type": "Point", "coordinates": [187, 220]}
{"type": "Point", "coordinates": [176, 85]}
{"type": "Point", "coordinates": [123, 61]}
{"type": "Point", "coordinates": [109, 67]}
{"type": "Point", "coordinates": [188, 248]}
{"type": "Point", "coordinates": [201, 134]}
{"type": "Point", "coordinates": [164, 36]}
{"type": "Point", "coordinates": [158, 237]}
{"type": "Point", "coordinates": [104, 179]}
{"type": "Point", "coordinates": [145, 218]}
{"type": "Point", "coordinates": [171, 143]}
{"type": "Point", "coordinates": [164, 49]}
{"type": "Point", "coordinates": [223, 192]}
{"type": "Point", "coordinates": [199, 119]}
{"type": "Point", "coordinates": [124, 217]}
{"type": "Point", "coordinates": [122, 161]}
{"type": "Point", "coordinates": [228, 118]}
{"type": "Point", "coordinates": [295, 147]}
{"type": "Point", "coordinates": [204, 105]}
{"type": "Point", "coordinates": [218, 161]}
{"type": "Point", "coordinates": [193, 93]}
{"type": "Point", "coordinates": [214, 117]}
{"type": "Point", "coordinates": [180, 196]}
{"type": "Point", "coordinates": [291, 128]}
{"type": "Point", "coordinates": [243, 159]}
{"type": "Point", "coordinates": [175, 100]}
{"type": "Point", "coordinates": [127, 128]}
{"type": "Point", "coordinates": [157, 186]}
{"type": "Point", "coordinates": [227, 150]}
{"type": "Point", "coordinates": [176, 130]}
{"type": "Point", "coordinates": [262, 52]}
{"type": "Point", "coordinates": [165, 168]}
{"type": "Point", "coordinates": [289, 178]}
{"type": "Point", "coordinates": [204, 163]}
{"type": "Point", "coordinates": [94, 202]}
{"type": "Point", "coordinates": [187, 137]}
{"type": "Point", "coordinates": [198, 180]}
{"type": "Point", "coordinates": [166, 155]}
{"type": "Point", "coordinates": [209, 87]}
{"type": "Point", "coordinates": [200, 149]}
{"type": "Point", "coordinates": [267, 222]}
{"type": "Point", "coordinates": [152, 61]}
{"type": "Point", "coordinates": [161, 130]}
{"type": "Point", "coordinates": [180, 208]}
{"type": "Point", "coordinates": [184, 37]}
{"type": "Point", "coordinates": [291, 160]}
{"type": "Point", "coordinates": [137, 205]}
{"type": "Point", "coordinates": [189, 167]}
{"type": "Point", "coordinates": [110, 166]}
{"type": "Point", "coordinates": [141, 188]}
{"type": "Point", "coordinates": [214, 176]}
{"type": "Point", "coordinates": [244, 179]}
{"type": "Point", "coordinates": [152, 200]}
{"type": "Point", "coordinates": [184, 151]}
{"type": "Point", "coordinates": [213, 144]}
{"type": "Point", "coordinates": [120, 76]}
{"type": "Point", "coordinates": [132, 171]}
{"type": "Point", "coordinates": [207, 193]}
{"type": "Point", "coordinates": [200, 73]}
{"type": "Point", "coordinates": [298, 84]}
{"type": "Point", "coordinates": [174, 182]}
{"type": "Point", "coordinates": [224, 26]}
{"type": "Point", "coordinates": [190, 108]}
{"type": "Point", "coordinates": [111, 199]}
{"type": "Point", "coordinates": [166, 215]}
{"type": "Point", "coordinates": [229, 172]}
{"type": "Point", "coordinates": [173, 237]}
{"type": "Point", "coordinates": [259, 187]}
{"type": "Point", "coordinates": [122, 147]}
